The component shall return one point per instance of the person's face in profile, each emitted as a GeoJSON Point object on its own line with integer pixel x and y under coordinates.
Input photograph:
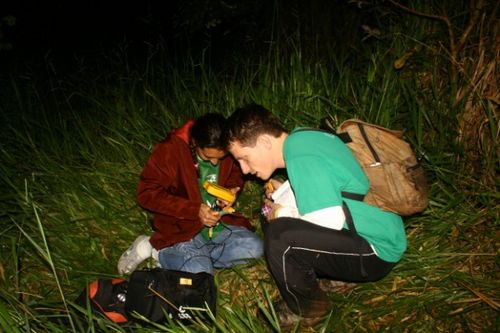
{"type": "Point", "coordinates": [212, 155]}
{"type": "Point", "coordinates": [253, 160]}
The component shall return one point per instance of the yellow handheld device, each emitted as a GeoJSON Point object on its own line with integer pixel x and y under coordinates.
{"type": "Point", "coordinates": [219, 192]}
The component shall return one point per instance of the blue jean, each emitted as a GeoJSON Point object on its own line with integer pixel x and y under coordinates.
{"type": "Point", "coordinates": [232, 246]}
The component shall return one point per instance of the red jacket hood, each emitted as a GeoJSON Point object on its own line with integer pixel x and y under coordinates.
{"type": "Point", "coordinates": [184, 131]}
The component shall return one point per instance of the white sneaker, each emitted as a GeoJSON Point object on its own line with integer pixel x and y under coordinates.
{"type": "Point", "coordinates": [139, 251]}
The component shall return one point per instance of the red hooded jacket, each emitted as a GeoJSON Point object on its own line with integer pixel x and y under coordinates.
{"type": "Point", "coordinates": [168, 188]}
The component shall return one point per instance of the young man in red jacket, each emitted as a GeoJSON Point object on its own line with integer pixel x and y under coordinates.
{"type": "Point", "coordinates": [191, 233]}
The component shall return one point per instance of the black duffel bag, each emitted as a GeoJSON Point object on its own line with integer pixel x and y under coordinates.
{"type": "Point", "coordinates": [154, 293]}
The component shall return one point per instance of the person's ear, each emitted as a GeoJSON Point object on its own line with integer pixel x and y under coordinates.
{"type": "Point", "coordinates": [265, 141]}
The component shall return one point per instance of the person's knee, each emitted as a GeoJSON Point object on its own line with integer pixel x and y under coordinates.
{"type": "Point", "coordinates": [185, 257]}
{"type": "Point", "coordinates": [273, 236]}
{"type": "Point", "coordinates": [275, 228]}
{"type": "Point", "coordinates": [191, 265]}
{"type": "Point", "coordinates": [248, 242]}
{"type": "Point", "coordinates": [254, 247]}
{"type": "Point", "coordinates": [257, 250]}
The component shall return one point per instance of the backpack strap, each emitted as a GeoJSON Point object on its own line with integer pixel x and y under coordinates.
{"type": "Point", "coordinates": [326, 125]}
{"type": "Point", "coordinates": [352, 229]}
{"type": "Point", "coordinates": [353, 196]}
{"type": "Point", "coordinates": [346, 138]}
{"type": "Point", "coordinates": [369, 145]}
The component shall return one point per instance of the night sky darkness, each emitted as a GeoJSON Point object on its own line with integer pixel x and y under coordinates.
{"type": "Point", "coordinates": [84, 27]}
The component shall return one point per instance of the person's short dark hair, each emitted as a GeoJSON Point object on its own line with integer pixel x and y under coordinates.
{"type": "Point", "coordinates": [247, 123]}
{"type": "Point", "coordinates": [208, 131]}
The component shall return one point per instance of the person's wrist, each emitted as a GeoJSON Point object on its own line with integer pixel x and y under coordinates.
{"type": "Point", "coordinates": [276, 212]}
{"type": "Point", "coordinates": [266, 211]}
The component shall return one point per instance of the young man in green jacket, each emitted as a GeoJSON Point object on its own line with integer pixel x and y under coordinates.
{"type": "Point", "coordinates": [309, 239]}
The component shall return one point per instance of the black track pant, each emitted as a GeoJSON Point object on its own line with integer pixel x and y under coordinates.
{"type": "Point", "coordinates": [299, 252]}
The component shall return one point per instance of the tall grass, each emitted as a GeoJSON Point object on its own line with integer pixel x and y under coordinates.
{"type": "Point", "coordinates": [73, 146]}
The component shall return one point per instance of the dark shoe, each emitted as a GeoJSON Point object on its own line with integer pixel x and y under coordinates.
{"type": "Point", "coordinates": [289, 320]}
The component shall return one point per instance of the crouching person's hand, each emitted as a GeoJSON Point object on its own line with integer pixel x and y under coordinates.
{"type": "Point", "coordinates": [270, 210]}
{"type": "Point", "coordinates": [207, 216]}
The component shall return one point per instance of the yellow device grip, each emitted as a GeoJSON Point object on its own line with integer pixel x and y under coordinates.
{"type": "Point", "coordinates": [219, 192]}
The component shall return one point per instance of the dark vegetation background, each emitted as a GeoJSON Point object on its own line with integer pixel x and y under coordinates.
{"type": "Point", "coordinates": [88, 87]}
